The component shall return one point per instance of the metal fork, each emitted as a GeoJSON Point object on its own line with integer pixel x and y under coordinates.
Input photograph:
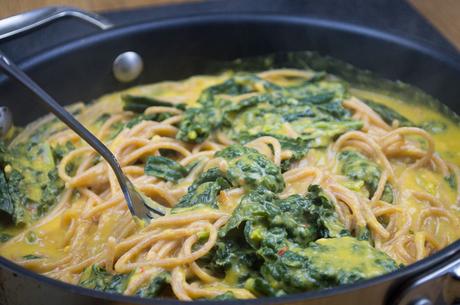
{"type": "Point", "coordinates": [136, 202]}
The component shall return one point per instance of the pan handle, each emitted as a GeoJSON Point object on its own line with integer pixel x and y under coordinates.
{"type": "Point", "coordinates": [30, 20]}
{"type": "Point", "coordinates": [441, 286]}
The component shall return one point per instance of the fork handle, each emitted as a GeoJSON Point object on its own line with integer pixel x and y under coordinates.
{"type": "Point", "coordinates": [16, 73]}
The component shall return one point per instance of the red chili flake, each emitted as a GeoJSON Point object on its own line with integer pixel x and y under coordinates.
{"type": "Point", "coordinates": [282, 251]}
{"type": "Point", "coordinates": [142, 269]}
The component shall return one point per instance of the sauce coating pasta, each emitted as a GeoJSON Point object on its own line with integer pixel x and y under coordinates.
{"type": "Point", "coordinates": [275, 182]}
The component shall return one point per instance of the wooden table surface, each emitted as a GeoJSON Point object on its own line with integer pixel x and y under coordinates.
{"type": "Point", "coordinates": [443, 14]}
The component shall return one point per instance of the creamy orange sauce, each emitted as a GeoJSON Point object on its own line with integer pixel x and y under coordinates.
{"type": "Point", "coordinates": [47, 238]}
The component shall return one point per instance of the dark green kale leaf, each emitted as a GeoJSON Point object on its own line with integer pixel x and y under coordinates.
{"type": "Point", "coordinates": [204, 195]}
{"type": "Point", "coordinates": [246, 167]}
{"type": "Point", "coordinates": [232, 258]}
{"type": "Point", "coordinates": [318, 91]}
{"type": "Point", "coordinates": [60, 150]}
{"type": "Point", "coordinates": [164, 168]}
{"type": "Point", "coordinates": [102, 119]}
{"type": "Point", "coordinates": [241, 83]}
{"type": "Point", "coordinates": [29, 182]}
{"type": "Point", "coordinates": [12, 202]}
{"type": "Point", "coordinates": [452, 181]}
{"type": "Point", "coordinates": [157, 117]}
{"type": "Point", "coordinates": [156, 285]}
{"type": "Point", "coordinates": [256, 204]}
{"type": "Point", "coordinates": [6, 203]}
{"type": "Point", "coordinates": [299, 146]}
{"type": "Point", "coordinates": [204, 190]}
{"type": "Point", "coordinates": [4, 237]}
{"type": "Point", "coordinates": [277, 234]}
{"type": "Point", "coordinates": [322, 212]}
{"type": "Point", "coordinates": [199, 122]}
{"type": "Point", "coordinates": [318, 123]}
{"type": "Point", "coordinates": [33, 177]}
{"type": "Point", "coordinates": [115, 129]}
{"type": "Point", "coordinates": [225, 296]}
{"type": "Point", "coordinates": [313, 109]}
{"type": "Point", "coordinates": [50, 192]}
{"type": "Point", "coordinates": [16, 185]}
{"type": "Point", "coordinates": [363, 233]}
{"type": "Point", "coordinates": [31, 257]}
{"type": "Point", "coordinates": [270, 222]}
{"type": "Point", "coordinates": [389, 115]}
{"type": "Point", "coordinates": [251, 169]}
{"type": "Point", "coordinates": [359, 168]}
{"type": "Point", "coordinates": [140, 103]}
{"type": "Point", "coordinates": [323, 264]}
{"type": "Point", "coordinates": [277, 246]}
{"type": "Point", "coordinates": [96, 277]}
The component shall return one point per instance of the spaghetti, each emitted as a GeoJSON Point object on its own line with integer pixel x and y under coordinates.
{"type": "Point", "coordinates": [410, 212]}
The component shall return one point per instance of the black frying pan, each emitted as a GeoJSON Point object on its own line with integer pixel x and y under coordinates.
{"type": "Point", "coordinates": [177, 48]}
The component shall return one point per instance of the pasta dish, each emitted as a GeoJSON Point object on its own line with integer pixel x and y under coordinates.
{"type": "Point", "coordinates": [272, 183]}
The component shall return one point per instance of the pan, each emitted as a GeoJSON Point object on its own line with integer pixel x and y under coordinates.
{"type": "Point", "coordinates": [176, 48]}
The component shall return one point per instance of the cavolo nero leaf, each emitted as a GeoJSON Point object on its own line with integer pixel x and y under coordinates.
{"type": "Point", "coordinates": [198, 123]}
{"type": "Point", "coordinates": [299, 146]}
{"type": "Point", "coordinates": [155, 286]}
{"type": "Point", "coordinates": [313, 110]}
{"type": "Point", "coordinates": [250, 169]}
{"type": "Point", "coordinates": [158, 117]}
{"type": "Point", "coordinates": [387, 114]}
{"type": "Point", "coordinates": [204, 190]}
{"type": "Point", "coordinates": [452, 181]}
{"type": "Point", "coordinates": [96, 277]}
{"type": "Point", "coordinates": [275, 246]}
{"type": "Point", "coordinates": [322, 212]}
{"type": "Point", "coordinates": [302, 219]}
{"type": "Point", "coordinates": [164, 168]}
{"type": "Point", "coordinates": [246, 167]}
{"type": "Point", "coordinates": [359, 168]}
{"type": "Point", "coordinates": [4, 237]}
{"type": "Point", "coordinates": [328, 262]}
{"type": "Point", "coordinates": [29, 182]}
{"type": "Point", "coordinates": [16, 185]}
{"type": "Point", "coordinates": [232, 258]}
{"type": "Point", "coordinates": [6, 203]}
{"type": "Point", "coordinates": [225, 296]}
{"type": "Point", "coordinates": [138, 104]}
{"type": "Point", "coordinates": [31, 257]}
